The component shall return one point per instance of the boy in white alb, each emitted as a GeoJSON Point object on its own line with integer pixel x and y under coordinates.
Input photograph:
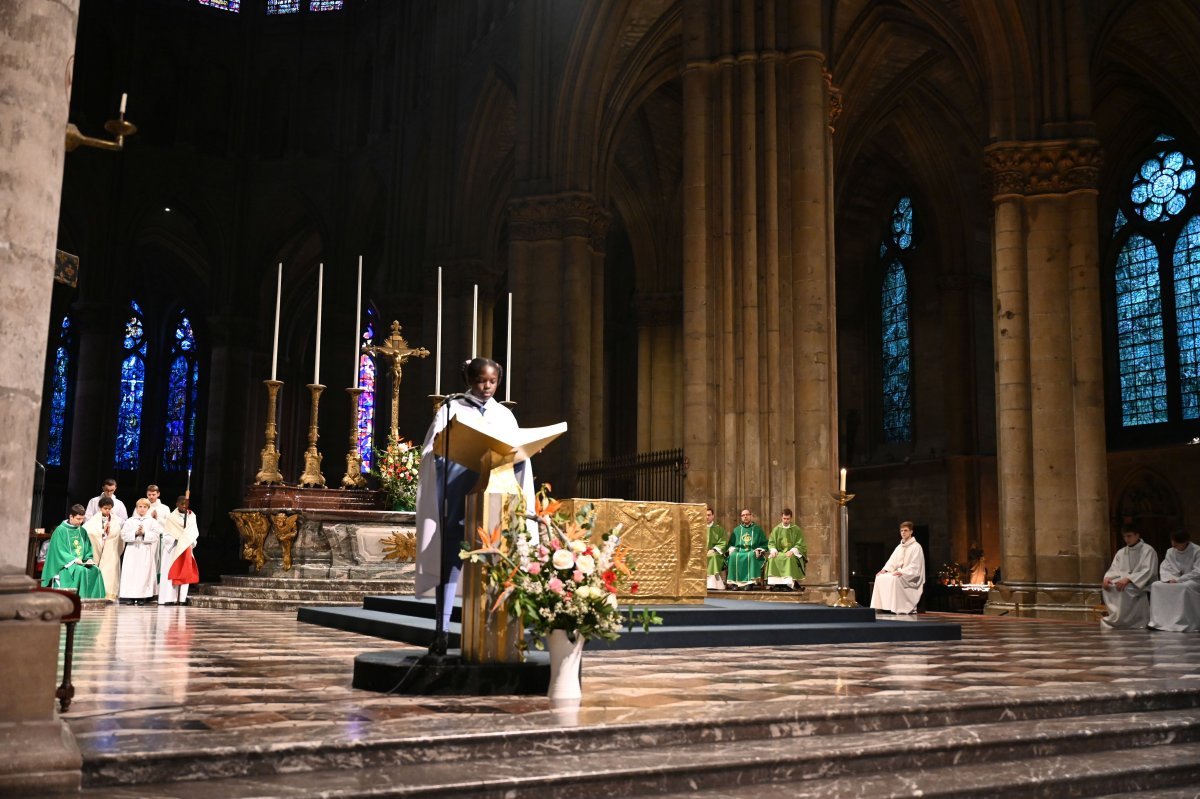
{"type": "Point", "coordinates": [180, 533]}
{"type": "Point", "coordinates": [1175, 598]}
{"type": "Point", "coordinates": [1126, 582]}
{"type": "Point", "coordinates": [140, 534]}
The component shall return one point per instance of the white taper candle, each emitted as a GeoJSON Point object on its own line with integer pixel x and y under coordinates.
{"type": "Point", "coordinates": [508, 357]}
{"type": "Point", "coordinates": [275, 343]}
{"type": "Point", "coordinates": [320, 297]}
{"type": "Point", "coordinates": [437, 346]}
{"type": "Point", "coordinates": [842, 485]}
{"type": "Point", "coordinates": [357, 319]}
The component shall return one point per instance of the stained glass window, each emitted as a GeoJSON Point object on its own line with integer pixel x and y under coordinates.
{"type": "Point", "coordinates": [59, 394]}
{"type": "Point", "coordinates": [1187, 314]}
{"type": "Point", "coordinates": [225, 5]}
{"type": "Point", "coordinates": [133, 379]}
{"type": "Point", "coordinates": [183, 377]}
{"type": "Point", "coordinates": [283, 6]}
{"type": "Point", "coordinates": [1156, 289]}
{"type": "Point", "coordinates": [325, 5]}
{"type": "Point", "coordinates": [896, 362]}
{"type": "Point", "coordinates": [366, 400]}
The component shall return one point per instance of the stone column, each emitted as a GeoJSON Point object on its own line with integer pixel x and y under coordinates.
{"type": "Point", "coordinates": [98, 328]}
{"type": "Point", "coordinates": [552, 256]}
{"type": "Point", "coordinates": [1049, 387]}
{"type": "Point", "coordinates": [37, 751]}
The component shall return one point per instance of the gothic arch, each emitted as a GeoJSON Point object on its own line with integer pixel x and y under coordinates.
{"type": "Point", "coordinates": [1146, 500]}
{"type": "Point", "coordinates": [488, 163]}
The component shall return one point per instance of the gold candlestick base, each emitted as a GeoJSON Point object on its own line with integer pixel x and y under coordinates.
{"type": "Point", "coordinates": [436, 401]}
{"type": "Point", "coordinates": [312, 477]}
{"type": "Point", "coordinates": [844, 600]}
{"type": "Point", "coordinates": [268, 472]}
{"type": "Point", "coordinates": [353, 477]}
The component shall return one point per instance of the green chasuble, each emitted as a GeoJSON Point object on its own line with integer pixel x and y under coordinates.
{"type": "Point", "coordinates": [786, 564]}
{"type": "Point", "coordinates": [66, 544]}
{"type": "Point", "coordinates": [717, 540]}
{"type": "Point", "coordinates": [745, 566]}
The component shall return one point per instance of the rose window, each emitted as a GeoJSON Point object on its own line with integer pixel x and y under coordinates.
{"type": "Point", "coordinates": [1163, 185]}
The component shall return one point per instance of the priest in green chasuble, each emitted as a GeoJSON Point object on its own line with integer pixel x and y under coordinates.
{"type": "Point", "coordinates": [717, 541]}
{"type": "Point", "coordinates": [69, 561]}
{"type": "Point", "coordinates": [747, 550]}
{"type": "Point", "coordinates": [787, 554]}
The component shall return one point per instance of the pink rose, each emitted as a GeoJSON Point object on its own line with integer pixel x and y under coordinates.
{"type": "Point", "coordinates": [534, 568]}
{"type": "Point", "coordinates": [577, 576]}
{"type": "Point", "coordinates": [555, 545]}
{"type": "Point", "coordinates": [555, 585]}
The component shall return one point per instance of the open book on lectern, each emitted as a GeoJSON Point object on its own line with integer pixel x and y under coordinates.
{"type": "Point", "coordinates": [471, 438]}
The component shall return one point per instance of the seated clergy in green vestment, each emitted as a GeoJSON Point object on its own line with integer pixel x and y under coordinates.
{"type": "Point", "coordinates": [69, 561]}
{"type": "Point", "coordinates": [747, 549]}
{"type": "Point", "coordinates": [787, 554]}
{"type": "Point", "coordinates": [717, 539]}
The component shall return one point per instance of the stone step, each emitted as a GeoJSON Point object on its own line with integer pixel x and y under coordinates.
{"type": "Point", "coordinates": [1068, 757]}
{"type": "Point", "coordinates": [308, 595]}
{"type": "Point", "coordinates": [1186, 792]}
{"type": "Point", "coordinates": [400, 585]}
{"type": "Point", "coordinates": [256, 603]}
{"type": "Point", "coordinates": [824, 740]}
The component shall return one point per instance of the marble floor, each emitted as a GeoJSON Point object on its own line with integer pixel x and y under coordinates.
{"type": "Point", "coordinates": [189, 680]}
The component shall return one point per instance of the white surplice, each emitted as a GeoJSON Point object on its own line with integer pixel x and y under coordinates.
{"type": "Point", "coordinates": [901, 593]}
{"type": "Point", "coordinates": [107, 546]}
{"type": "Point", "coordinates": [180, 533]}
{"type": "Point", "coordinates": [93, 507]}
{"type": "Point", "coordinates": [1175, 606]}
{"type": "Point", "coordinates": [1130, 608]}
{"type": "Point", "coordinates": [138, 566]}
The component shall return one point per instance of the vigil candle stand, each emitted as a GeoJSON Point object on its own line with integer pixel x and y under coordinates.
{"type": "Point", "coordinates": [312, 477]}
{"type": "Point", "coordinates": [268, 472]}
{"type": "Point", "coordinates": [843, 499]}
{"type": "Point", "coordinates": [353, 477]}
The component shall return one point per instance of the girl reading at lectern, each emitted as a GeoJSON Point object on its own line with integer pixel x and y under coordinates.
{"type": "Point", "coordinates": [438, 564]}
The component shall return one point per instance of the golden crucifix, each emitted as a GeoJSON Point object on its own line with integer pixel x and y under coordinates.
{"type": "Point", "coordinates": [397, 349]}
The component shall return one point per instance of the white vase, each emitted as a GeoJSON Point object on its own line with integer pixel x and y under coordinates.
{"type": "Point", "coordinates": [566, 657]}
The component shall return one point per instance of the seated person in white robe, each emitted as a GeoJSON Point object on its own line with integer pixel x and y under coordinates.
{"type": "Point", "coordinates": [180, 533]}
{"type": "Point", "coordinates": [104, 530]}
{"type": "Point", "coordinates": [139, 567]}
{"type": "Point", "coordinates": [900, 582]}
{"type": "Point", "coordinates": [1126, 582]}
{"type": "Point", "coordinates": [1175, 598]}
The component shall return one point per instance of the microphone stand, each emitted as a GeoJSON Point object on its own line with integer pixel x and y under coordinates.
{"type": "Point", "coordinates": [439, 630]}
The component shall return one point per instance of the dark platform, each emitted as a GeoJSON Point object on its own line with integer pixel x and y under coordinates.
{"type": "Point", "coordinates": [399, 673]}
{"type": "Point", "coordinates": [718, 622]}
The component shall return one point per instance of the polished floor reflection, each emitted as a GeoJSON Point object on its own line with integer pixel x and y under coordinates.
{"type": "Point", "coordinates": [188, 679]}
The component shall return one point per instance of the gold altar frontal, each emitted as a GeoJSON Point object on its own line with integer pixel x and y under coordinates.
{"type": "Point", "coordinates": [666, 542]}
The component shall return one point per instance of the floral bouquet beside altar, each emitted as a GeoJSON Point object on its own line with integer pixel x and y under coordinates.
{"type": "Point", "coordinates": [398, 468]}
{"type": "Point", "coordinates": [561, 577]}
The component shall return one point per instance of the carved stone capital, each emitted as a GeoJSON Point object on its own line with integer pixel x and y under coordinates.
{"type": "Point", "coordinates": [834, 110]}
{"type": "Point", "coordinates": [553, 216]}
{"type": "Point", "coordinates": [1043, 167]}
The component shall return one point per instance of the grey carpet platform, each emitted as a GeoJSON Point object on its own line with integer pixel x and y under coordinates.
{"type": "Point", "coordinates": [718, 622]}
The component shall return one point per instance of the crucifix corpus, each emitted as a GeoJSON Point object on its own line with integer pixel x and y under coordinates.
{"type": "Point", "coordinates": [395, 348]}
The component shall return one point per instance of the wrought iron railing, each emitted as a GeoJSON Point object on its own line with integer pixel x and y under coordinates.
{"type": "Point", "coordinates": [644, 477]}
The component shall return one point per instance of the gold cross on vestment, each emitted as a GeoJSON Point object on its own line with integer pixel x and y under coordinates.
{"type": "Point", "coordinates": [395, 348]}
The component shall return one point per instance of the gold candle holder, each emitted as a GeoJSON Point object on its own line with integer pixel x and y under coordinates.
{"type": "Point", "coordinates": [268, 472]}
{"type": "Point", "coordinates": [312, 477]}
{"type": "Point", "coordinates": [843, 499]}
{"type": "Point", "coordinates": [354, 477]}
{"type": "Point", "coordinates": [436, 401]}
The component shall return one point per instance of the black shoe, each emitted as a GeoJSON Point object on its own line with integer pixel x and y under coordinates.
{"type": "Point", "coordinates": [441, 642]}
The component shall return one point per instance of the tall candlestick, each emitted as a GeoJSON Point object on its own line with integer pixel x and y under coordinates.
{"type": "Point", "coordinates": [508, 357]}
{"type": "Point", "coordinates": [124, 98]}
{"type": "Point", "coordinates": [437, 357]}
{"type": "Point", "coordinates": [320, 296]}
{"type": "Point", "coordinates": [475, 322]}
{"type": "Point", "coordinates": [842, 484]}
{"type": "Point", "coordinates": [357, 319]}
{"type": "Point", "coordinates": [275, 343]}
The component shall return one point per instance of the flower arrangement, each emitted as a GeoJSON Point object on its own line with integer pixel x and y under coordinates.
{"type": "Point", "coordinates": [560, 577]}
{"type": "Point", "coordinates": [398, 467]}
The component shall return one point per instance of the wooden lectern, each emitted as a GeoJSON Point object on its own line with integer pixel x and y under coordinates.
{"type": "Point", "coordinates": [493, 453]}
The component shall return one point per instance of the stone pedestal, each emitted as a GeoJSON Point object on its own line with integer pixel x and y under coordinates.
{"type": "Point", "coordinates": [323, 544]}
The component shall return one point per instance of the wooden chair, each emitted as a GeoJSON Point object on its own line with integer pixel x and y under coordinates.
{"type": "Point", "coordinates": [66, 691]}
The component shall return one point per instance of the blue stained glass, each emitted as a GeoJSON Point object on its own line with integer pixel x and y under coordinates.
{"type": "Point", "coordinates": [283, 6]}
{"type": "Point", "coordinates": [179, 438]}
{"type": "Point", "coordinates": [133, 380]}
{"type": "Point", "coordinates": [897, 372]}
{"type": "Point", "coordinates": [1120, 222]}
{"type": "Point", "coordinates": [225, 5]}
{"type": "Point", "coordinates": [366, 400]}
{"type": "Point", "coordinates": [325, 5]}
{"type": "Point", "coordinates": [1186, 263]}
{"type": "Point", "coordinates": [1164, 137]}
{"type": "Point", "coordinates": [59, 394]}
{"type": "Point", "coordinates": [1163, 186]}
{"type": "Point", "coordinates": [902, 224]}
{"type": "Point", "coordinates": [1140, 334]}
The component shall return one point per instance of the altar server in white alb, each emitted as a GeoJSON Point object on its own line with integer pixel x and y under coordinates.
{"type": "Point", "coordinates": [1175, 598]}
{"type": "Point", "coordinates": [104, 530]}
{"type": "Point", "coordinates": [1126, 582]}
{"type": "Point", "coordinates": [900, 582]}
{"type": "Point", "coordinates": [138, 567]}
{"type": "Point", "coordinates": [180, 533]}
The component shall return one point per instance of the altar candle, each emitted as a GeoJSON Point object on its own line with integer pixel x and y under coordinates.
{"type": "Point", "coordinates": [357, 319]}
{"type": "Point", "coordinates": [275, 343]}
{"type": "Point", "coordinates": [475, 322]}
{"type": "Point", "coordinates": [843, 482]}
{"type": "Point", "coordinates": [320, 296]}
{"type": "Point", "coordinates": [437, 355]}
{"type": "Point", "coordinates": [508, 357]}
{"type": "Point", "coordinates": [124, 98]}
